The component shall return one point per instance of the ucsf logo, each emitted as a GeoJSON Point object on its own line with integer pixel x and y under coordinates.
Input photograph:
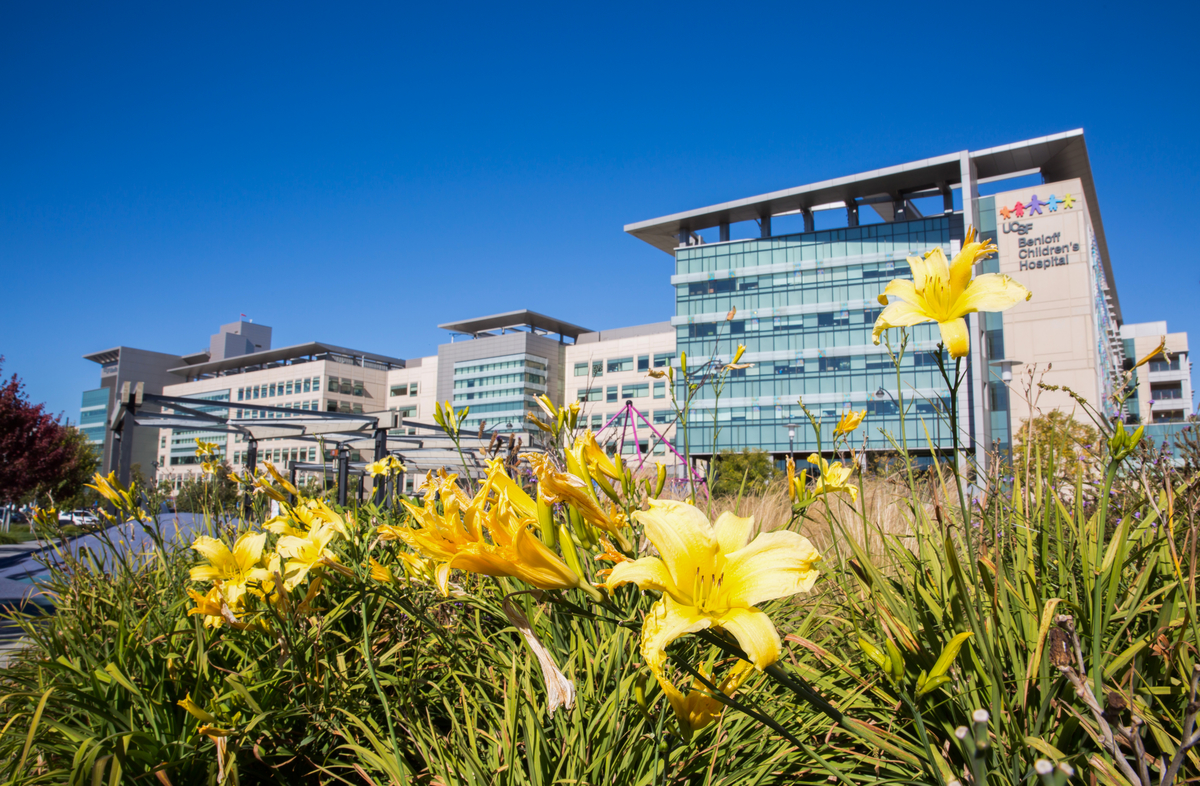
{"type": "Point", "coordinates": [1015, 226]}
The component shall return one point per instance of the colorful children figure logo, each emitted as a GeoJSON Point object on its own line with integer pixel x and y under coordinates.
{"type": "Point", "coordinates": [1035, 205]}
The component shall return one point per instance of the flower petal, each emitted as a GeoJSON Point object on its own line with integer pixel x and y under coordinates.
{"type": "Point", "coordinates": [648, 573]}
{"type": "Point", "coordinates": [774, 565]}
{"type": "Point", "coordinates": [905, 290]}
{"type": "Point", "coordinates": [213, 550]}
{"type": "Point", "coordinates": [755, 633]}
{"type": "Point", "coordinates": [920, 271]}
{"type": "Point", "coordinates": [683, 537]}
{"type": "Point", "coordinates": [665, 622]}
{"type": "Point", "coordinates": [956, 337]}
{"type": "Point", "coordinates": [898, 315]}
{"type": "Point", "coordinates": [732, 532]}
{"type": "Point", "coordinates": [937, 269]}
{"type": "Point", "coordinates": [990, 292]}
{"type": "Point", "coordinates": [248, 549]}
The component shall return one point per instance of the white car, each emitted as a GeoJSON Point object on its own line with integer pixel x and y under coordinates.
{"type": "Point", "coordinates": [80, 518]}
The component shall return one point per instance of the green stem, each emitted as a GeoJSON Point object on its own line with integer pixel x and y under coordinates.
{"type": "Point", "coordinates": [387, 712]}
{"type": "Point", "coordinates": [1098, 611]}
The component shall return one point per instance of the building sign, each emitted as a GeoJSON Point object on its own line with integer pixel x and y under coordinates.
{"type": "Point", "coordinates": [1036, 234]}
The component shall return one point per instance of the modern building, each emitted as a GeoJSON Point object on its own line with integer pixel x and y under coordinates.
{"type": "Point", "coordinates": [805, 287]}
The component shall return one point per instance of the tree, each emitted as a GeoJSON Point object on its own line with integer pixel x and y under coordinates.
{"type": "Point", "coordinates": [1057, 433]}
{"type": "Point", "coordinates": [34, 452]}
{"type": "Point", "coordinates": [755, 466]}
{"type": "Point", "coordinates": [69, 491]}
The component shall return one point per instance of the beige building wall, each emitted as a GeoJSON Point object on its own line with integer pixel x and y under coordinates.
{"type": "Point", "coordinates": [1058, 331]}
{"type": "Point", "coordinates": [331, 386]}
{"type": "Point", "coordinates": [606, 368]}
{"type": "Point", "coordinates": [412, 390]}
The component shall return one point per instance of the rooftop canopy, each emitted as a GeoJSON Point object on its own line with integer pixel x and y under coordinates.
{"type": "Point", "coordinates": [313, 350]}
{"type": "Point", "coordinates": [1057, 157]}
{"type": "Point", "coordinates": [524, 320]}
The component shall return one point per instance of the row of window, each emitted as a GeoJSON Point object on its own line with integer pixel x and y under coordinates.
{"type": "Point", "coordinates": [407, 389]}
{"type": "Point", "coordinates": [636, 390]}
{"type": "Point", "coordinates": [307, 406]}
{"type": "Point", "coordinates": [346, 387]}
{"type": "Point", "coordinates": [596, 368]}
{"type": "Point", "coordinates": [847, 274]}
{"type": "Point", "coordinates": [287, 388]}
{"type": "Point", "coordinates": [480, 368]}
{"type": "Point", "coordinates": [462, 398]}
{"type": "Point", "coordinates": [279, 455]}
{"type": "Point", "coordinates": [499, 379]}
{"type": "Point", "coordinates": [1165, 365]}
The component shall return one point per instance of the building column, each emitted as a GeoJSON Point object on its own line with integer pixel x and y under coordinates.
{"type": "Point", "coordinates": [898, 211]}
{"type": "Point", "coordinates": [851, 213]}
{"type": "Point", "coordinates": [808, 219]}
{"type": "Point", "coordinates": [724, 231]}
{"type": "Point", "coordinates": [765, 226]}
{"type": "Point", "coordinates": [947, 197]}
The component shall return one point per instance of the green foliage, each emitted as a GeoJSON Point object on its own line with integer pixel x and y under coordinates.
{"type": "Point", "coordinates": [1056, 434]}
{"type": "Point", "coordinates": [207, 493]}
{"type": "Point", "coordinates": [69, 491]}
{"type": "Point", "coordinates": [755, 466]}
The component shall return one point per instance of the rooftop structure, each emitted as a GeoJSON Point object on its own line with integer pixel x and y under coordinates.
{"type": "Point", "coordinates": [286, 356]}
{"type": "Point", "coordinates": [523, 321]}
{"type": "Point", "coordinates": [890, 191]}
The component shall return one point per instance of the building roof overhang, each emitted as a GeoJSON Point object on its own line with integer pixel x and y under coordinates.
{"type": "Point", "coordinates": [514, 320]}
{"type": "Point", "coordinates": [280, 355]}
{"type": "Point", "coordinates": [1057, 157]}
{"type": "Point", "coordinates": [104, 356]}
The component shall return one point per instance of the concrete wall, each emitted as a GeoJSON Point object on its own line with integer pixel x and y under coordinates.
{"type": "Point", "coordinates": [150, 368]}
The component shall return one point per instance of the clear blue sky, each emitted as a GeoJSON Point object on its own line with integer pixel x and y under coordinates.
{"type": "Point", "coordinates": [357, 175]}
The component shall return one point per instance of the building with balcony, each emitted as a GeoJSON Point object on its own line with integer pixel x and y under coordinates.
{"type": "Point", "coordinates": [1164, 385]}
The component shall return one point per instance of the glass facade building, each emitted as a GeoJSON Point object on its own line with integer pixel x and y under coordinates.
{"type": "Point", "coordinates": [805, 305]}
{"type": "Point", "coordinates": [93, 417]}
{"type": "Point", "coordinates": [500, 389]}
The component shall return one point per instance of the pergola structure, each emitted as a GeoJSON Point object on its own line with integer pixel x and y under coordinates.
{"type": "Point", "coordinates": [430, 448]}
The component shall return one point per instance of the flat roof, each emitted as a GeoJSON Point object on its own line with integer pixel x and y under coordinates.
{"type": "Point", "coordinates": [104, 356]}
{"type": "Point", "coordinates": [515, 319]}
{"type": "Point", "coordinates": [281, 354]}
{"type": "Point", "coordinates": [1057, 157]}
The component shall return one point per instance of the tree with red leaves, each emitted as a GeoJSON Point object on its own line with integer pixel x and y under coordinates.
{"type": "Point", "coordinates": [35, 452]}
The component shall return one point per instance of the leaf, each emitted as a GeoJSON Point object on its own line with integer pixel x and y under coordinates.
{"type": "Point", "coordinates": [949, 654]}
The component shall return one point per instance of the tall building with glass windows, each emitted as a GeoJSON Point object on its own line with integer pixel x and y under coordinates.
{"type": "Point", "coordinates": [804, 266]}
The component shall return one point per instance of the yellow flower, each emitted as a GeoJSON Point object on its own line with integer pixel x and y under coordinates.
{"type": "Point", "coordinates": [304, 553]}
{"type": "Point", "coordinates": [214, 608]}
{"type": "Point", "coordinates": [713, 576]}
{"type": "Point", "coordinates": [485, 536]}
{"type": "Point", "coordinates": [849, 422]}
{"type": "Point", "coordinates": [205, 448]}
{"type": "Point", "coordinates": [111, 490]}
{"type": "Point", "coordinates": [209, 467]}
{"type": "Point", "coordinates": [196, 710]}
{"type": "Point", "coordinates": [377, 468]}
{"type": "Point", "coordinates": [564, 487]}
{"type": "Point", "coordinates": [232, 569]}
{"type": "Point", "coordinates": [946, 293]}
{"type": "Point", "coordinates": [834, 478]}
{"type": "Point", "coordinates": [699, 708]}
{"type": "Point", "coordinates": [380, 573]}
{"type": "Point", "coordinates": [587, 452]}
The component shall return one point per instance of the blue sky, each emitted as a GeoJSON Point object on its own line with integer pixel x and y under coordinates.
{"type": "Point", "coordinates": [358, 175]}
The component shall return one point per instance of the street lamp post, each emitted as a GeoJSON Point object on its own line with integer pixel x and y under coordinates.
{"type": "Point", "coordinates": [791, 427]}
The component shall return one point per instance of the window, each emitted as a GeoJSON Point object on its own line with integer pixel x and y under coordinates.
{"type": "Point", "coordinates": [241, 392]}
{"type": "Point", "coordinates": [597, 421]}
{"type": "Point", "coordinates": [635, 391]}
{"type": "Point", "coordinates": [620, 364]}
{"type": "Point", "coordinates": [312, 454]}
{"type": "Point", "coordinates": [304, 405]}
{"type": "Point", "coordinates": [833, 319]}
{"type": "Point", "coordinates": [359, 390]}
{"type": "Point", "coordinates": [581, 369]}
{"type": "Point", "coordinates": [287, 388]}
{"type": "Point", "coordinates": [346, 388]}
{"type": "Point", "coordinates": [1168, 390]}
{"type": "Point", "coordinates": [333, 385]}
{"type": "Point", "coordinates": [412, 388]}
{"type": "Point", "coordinates": [643, 363]}
{"type": "Point", "coordinates": [331, 406]}
{"type": "Point", "coordinates": [833, 364]}
{"type": "Point", "coordinates": [597, 368]}
{"type": "Point", "coordinates": [924, 359]}
{"type": "Point", "coordinates": [1168, 416]}
{"type": "Point", "coordinates": [307, 389]}
{"type": "Point", "coordinates": [663, 359]}
{"type": "Point", "coordinates": [702, 330]}
{"type": "Point", "coordinates": [590, 394]}
{"type": "Point", "coordinates": [1165, 365]}
{"type": "Point", "coordinates": [663, 416]}
{"type": "Point", "coordinates": [399, 390]}
{"type": "Point", "coordinates": [344, 408]}
{"type": "Point", "coordinates": [798, 368]}
{"type": "Point", "coordinates": [272, 390]}
{"type": "Point", "coordinates": [358, 409]}
{"type": "Point", "coordinates": [316, 384]}
{"type": "Point", "coordinates": [255, 390]}
{"type": "Point", "coordinates": [611, 395]}
{"type": "Point", "coordinates": [660, 389]}
{"type": "Point", "coordinates": [407, 412]}
{"type": "Point", "coordinates": [711, 287]}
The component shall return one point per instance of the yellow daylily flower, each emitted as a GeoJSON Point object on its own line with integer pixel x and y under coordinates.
{"type": "Point", "coordinates": [849, 421]}
{"type": "Point", "coordinates": [205, 448]}
{"type": "Point", "coordinates": [212, 607]}
{"type": "Point", "coordinates": [109, 488]}
{"type": "Point", "coordinates": [699, 708]}
{"type": "Point", "coordinates": [564, 487]}
{"type": "Point", "coordinates": [380, 573]}
{"type": "Point", "coordinates": [377, 468]}
{"type": "Point", "coordinates": [195, 710]}
{"type": "Point", "coordinates": [713, 576]}
{"type": "Point", "coordinates": [232, 568]}
{"type": "Point", "coordinates": [834, 478]}
{"type": "Point", "coordinates": [945, 293]}
{"type": "Point", "coordinates": [209, 467]}
{"type": "Point", "coordinates": [485, 536]}
{"type": "Point", "coordinates": [304, 553]}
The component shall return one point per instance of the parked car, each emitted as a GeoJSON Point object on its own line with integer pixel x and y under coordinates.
{"type": "Point", "coordinates": [80, 518]}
